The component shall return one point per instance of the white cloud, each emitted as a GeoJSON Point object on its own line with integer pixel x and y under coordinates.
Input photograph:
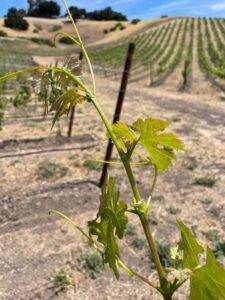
{"type": "Point", "coordinates": [217, 6]}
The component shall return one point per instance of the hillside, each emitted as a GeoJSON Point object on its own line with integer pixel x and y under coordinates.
{"type": "Point", "coordinates": [91, 31]}
{"type": "Point", "coordinates": [180, 54]}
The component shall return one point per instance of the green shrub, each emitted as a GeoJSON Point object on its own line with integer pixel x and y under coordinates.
{"type": "Point", "coordinates": [55, 28]}
{"type": "Point", "coordinates": [205, 181]}
{"type": "Point", "coordinates": [38, 27]}
{"type": "Point", "coordinates": [164, 253]}
{"type": "Point", "coordinates": [192, 165]}
{"type": "Point", "coordinates": [47, 170]}
{"type": "Point", "coordinates": [3, 105]}
{"type": "Point", "coordinates": [112, 29]}
{"type": "Point", "coordinates": [135, 21]}
{"type": "Point", "coordinates": [3, 33]}
{"type": "Point", "coordinates": [122, 27]}
{"type": "Point", "coordinates": [118, 25]}
{"type": "Point", "coordinates": [43, 41]}
{"type": "Point", "coordinates": [66, 40]}
{"type": "Point", "coordinates": [130, 230]}
{"type": "Point", "coordinates": [206, 201]}
{"type": "Point", "coordinates": [173, 210]}
{"type": "Point", "coordinates": [219, 250]}
{"type": "Point", "coordinates": [61, 280]}
{"type": "Point", "coordinates": [212, 235]}
{"type": "Point", "coordinates": [22, 95]}
{"type": "Point", "coordinates": [138, 243]}
{"type": "Point", "coordinates": [153, 220]}
{"type": "Point", "coordinates": [15, 20]}
{"type": "Point", "coordinates": [92, 165]}
{"type": "Point", "coordinates": [92, 262]}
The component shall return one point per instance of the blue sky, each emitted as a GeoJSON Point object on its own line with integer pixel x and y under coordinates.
{"type": "Point", "coordinates": [144, 9]}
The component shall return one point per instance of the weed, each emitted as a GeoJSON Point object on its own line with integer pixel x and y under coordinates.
{"type": "Point", "coordinates": [3, 33]}
{"type": "Point", "coordinates": [55, 28]}
{"type": "Point", "coordinates": [15, 162]}
{"type": "Point", "coordinates": [61, 280]}
{"type": "Point", "coordinates": [192, 165]}
{"type": "Point", "coordinates": [135, 21]}
{"type": "Point", "coordinates": [219, 250]}
{"type": "Point", "coordinates": [153, 220]}
{"type": "Point", "coordinates": [92, 165]}
{"type": "Point", "coordinates": [38, 27]}
{"type": "Point", "coordinates": [43, 41]}
{"type": "Point", "coordinates": [206, 201]}
{"type": "Point", "coordinates": [205, 181]}
{"type": "Point", "coordinates": [92, 263]}
{"type": "Point", "coordinates": [164, 253]}
{"type": "Point", "coordinates": [138, 243]}
{"type": "Point", "coordinates": [47, 170]}
{"type": "Point", "coordinates": [212, 235]}
{"type": "Point", "coordinates": [72, 157]}
{"type": "Point", "coordinates": [65, 40]}
{"type": "Point", "coordinates": [173, 210]}
{"type": "Point", "coordinates": [130, 230]}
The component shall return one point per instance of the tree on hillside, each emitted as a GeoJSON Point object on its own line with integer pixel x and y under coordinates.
{"type": "Point", "coordinates": [43, 8]}
{"type": "Point", "coordinates": [106, 14]}
{"type": "Point", "coordinates": [32, 6]}
{"type": "Point", "coordinates": [78, 13]}
{"type": "Point", "coordinates": [15, 19]}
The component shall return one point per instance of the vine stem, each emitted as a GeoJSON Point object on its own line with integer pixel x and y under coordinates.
{"type": "Point", "coordinates": [136, 193]}
{"type": "Point", "coordinates": [128, 269]}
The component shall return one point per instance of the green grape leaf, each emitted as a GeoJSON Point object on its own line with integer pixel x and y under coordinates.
{"type": "Point", "coordinates": [159, 145]}
{"type": "Point", "coordinates": [190, 247]}
{"type": "Point", "coordinates": [111, 221]}
{"type": "Point", "coordinates": [106, 237]}
{"type": "Point", "coordinates": [208, 282]}
{"type": "Point", "coordinates": [63, 103]}
{"type": "Point", "coordinates": [123, 134]}
{"type": "Point", "coordinates": [150, 125]}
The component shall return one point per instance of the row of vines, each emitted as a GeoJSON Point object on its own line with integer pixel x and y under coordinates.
{"type": "Point", "coordinates": [161, 50]}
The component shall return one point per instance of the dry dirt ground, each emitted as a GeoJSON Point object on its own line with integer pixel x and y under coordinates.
{"type": "Point", "coordinates": [35, 246]}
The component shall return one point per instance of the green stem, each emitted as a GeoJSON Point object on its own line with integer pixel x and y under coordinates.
{"type": "Point", "coordinates": [132, 272]}
{"type": "Point", "coordinates": [122, 155]}
{"type": "Point", "coordinates": [152, 246]}
{"type": "Point", "coordinates": [136, 193]}
{"type": "Point", "coordinates": [153, 186]}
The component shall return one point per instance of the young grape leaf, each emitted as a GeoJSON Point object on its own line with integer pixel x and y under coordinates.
{"type": "Point", "coordinates": [106, 237]}
{"type": "Point", "coordinates": [158, 144]}
{"type": "Point", "coordinates": [190, 247]}
{"type": "Point", "coordinates": [208, 282]}
{"type": "Point", "coordinates": [123, 133]}
{"type": "Point", "coordinates": [150, 134]}
{"type": "Point", "coordinates": [112, 223]}
{"type": "Point", "coordinates": [150, 125]}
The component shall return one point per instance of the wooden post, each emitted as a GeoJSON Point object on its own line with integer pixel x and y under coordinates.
{"type": "Point", "coordinates": [70, 129]}
{"type": "Point", "coordinates": [118, 110]}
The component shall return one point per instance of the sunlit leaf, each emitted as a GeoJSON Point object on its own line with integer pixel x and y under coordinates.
{"type": "Point", "coordinates": [208, 282]}
{"type": "Point", "coordinates": [110, 222]}
{"type": "Point", "coordinates": [190, 247]}
{"type": "Point", "coordinates": [150, 134]}
{"type": "Point", "coordinates": [123, 133]}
